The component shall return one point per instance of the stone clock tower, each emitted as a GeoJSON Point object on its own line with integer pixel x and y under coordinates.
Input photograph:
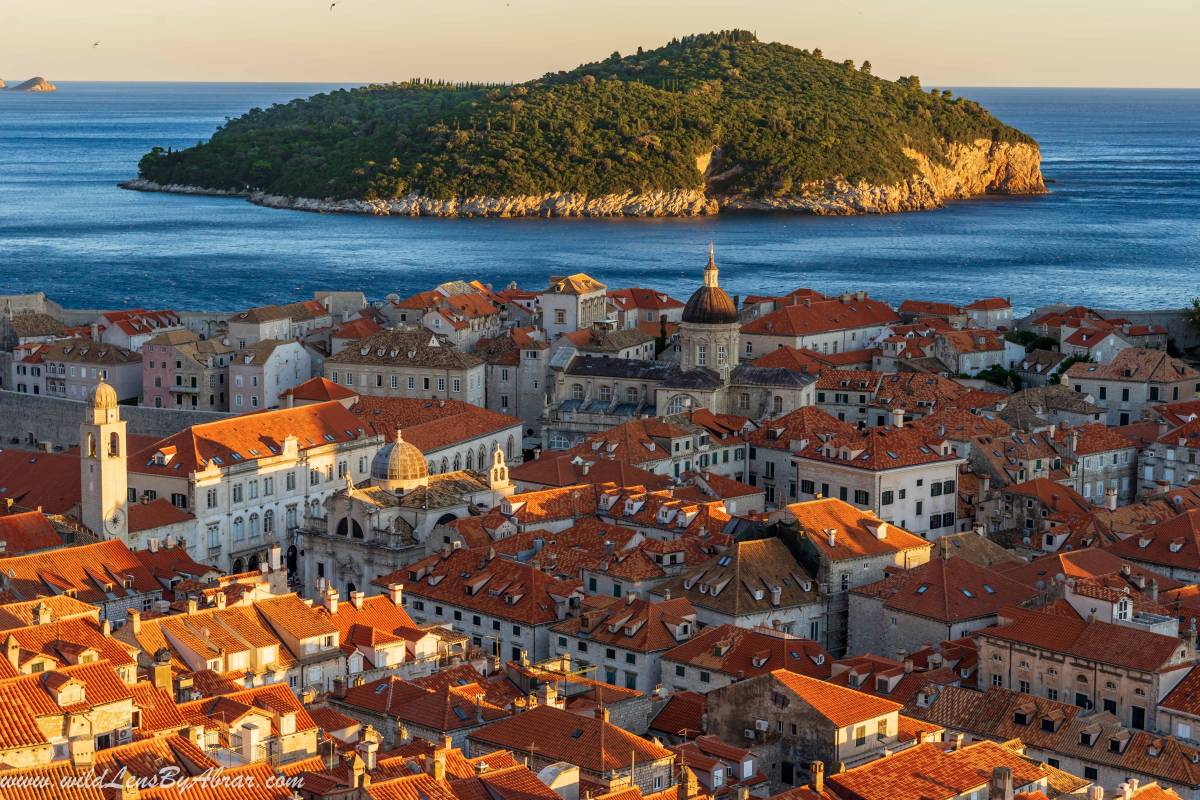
{"type": "Point", "coordinates": [103, 481]}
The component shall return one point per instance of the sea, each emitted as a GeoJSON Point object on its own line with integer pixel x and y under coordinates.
{"type": "Point", "coordinates": [1120, 228]}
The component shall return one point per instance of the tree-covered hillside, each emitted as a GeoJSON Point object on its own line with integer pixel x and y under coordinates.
{"type": "Point", "coordinates": [778, 117]}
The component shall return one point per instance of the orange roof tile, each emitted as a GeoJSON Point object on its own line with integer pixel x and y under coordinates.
{"type": "Point", "coordinates": [948, 590]}
{"type": "Point", "coordinates": [840, 705]}
{"type": "Point", "coordinates": [856, 532]}
{"type": "Point", "coordinates": [744, 653]}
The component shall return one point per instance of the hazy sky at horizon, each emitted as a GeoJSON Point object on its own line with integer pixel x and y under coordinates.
{"type": "Point", "coordinates": [945, 42]}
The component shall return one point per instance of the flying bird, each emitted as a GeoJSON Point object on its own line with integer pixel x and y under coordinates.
{"type": "Point", "coordinates": [331, 5]}
{"type": "Point", "coordinates": [95, 45]}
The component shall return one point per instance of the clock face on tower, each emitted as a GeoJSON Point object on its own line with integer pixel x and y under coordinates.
{"type": "Point", "coordinates": [114, 520]}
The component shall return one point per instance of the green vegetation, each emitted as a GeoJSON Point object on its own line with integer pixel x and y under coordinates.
{"type": "Point", "coordinates": [998, 375]}
{"type": "Point", "coordinates": [1066, 365]}
{"type": "Point", "coordinates": [1031, 341]}
{"type": "Point", "coordinates": [779, 117]}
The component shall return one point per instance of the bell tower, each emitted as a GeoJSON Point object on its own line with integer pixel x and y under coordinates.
{"type": "Point", "coordinates": [103, 480]}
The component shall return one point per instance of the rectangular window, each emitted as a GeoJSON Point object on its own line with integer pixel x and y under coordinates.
{"type": "Point", "coordinates": [861, 497]}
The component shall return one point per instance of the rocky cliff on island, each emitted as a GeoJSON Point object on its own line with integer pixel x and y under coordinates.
{"type": "Point", "coordinates": [708, 123]}
{"type": "Point", "coordinates": [31, 85]}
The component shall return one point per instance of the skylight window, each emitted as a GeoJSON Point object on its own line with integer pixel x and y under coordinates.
{"type": "Point", "coordinates": [458, 712]}
{"type": "Point", "coordinates": [724, 561]}
{"type": "Point", "coordinates": [967, 593]}
{"type": "Point", "coordinates": [988, 589]}
{"type": "Point", "coordinates": [924, 587]}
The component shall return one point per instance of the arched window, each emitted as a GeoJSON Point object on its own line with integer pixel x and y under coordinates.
{"type": "Point", "coordinates": [239, 529]}
{"type": "Point", "coordinates": [481, 459]}
{"type": "Point", "coordinates": [576, 391]}
{"type": "Point", "coordinates": [254, 529]}
{"type": "Point", "coordinates": [316, 507]}
{"type": "Point", "coordinates": [470, 459]}
{"type": "Point", "coordinates": [114, 444]}
{"type": "Point", "coordinates": [238, 566]}
{"type": "Point", "coordinates": [268, 521]}
{"type": "Point", "coordinates": [91, 445]}
{"type": "Point", "coordinates": [559, 442]}
{"type": "Point", "coordinates": [457, 462]}
{"type": "Point", "coordinates": [445, 464]}
{"type": "Point", "coordinates": [605, 393]}
{"type": "Point", "coordinates": [679, 404]}
{"type": "Point", "coordinates": [508, 449]}
{"type": "Point", "coordinates": [777, 404]}
{"type": "Point", "coordinates": [348, 526]}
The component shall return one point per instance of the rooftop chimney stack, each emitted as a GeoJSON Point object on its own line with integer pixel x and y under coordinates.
{"type": "Point", "coordinates": [817, 768]}
{"type": "Point", "coordinates": [1000, 787]}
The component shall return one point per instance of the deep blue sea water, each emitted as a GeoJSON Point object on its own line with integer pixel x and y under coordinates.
{"type": "Point", "coordinates": [1121, 228]}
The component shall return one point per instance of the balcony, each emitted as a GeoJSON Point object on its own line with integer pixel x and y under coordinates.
{"type": "Point", "coordinates": [184, 389]}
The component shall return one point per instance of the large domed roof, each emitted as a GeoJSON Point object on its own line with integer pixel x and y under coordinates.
{"type": "Point", "coordinates": [710, 304]}
{"type": "Point", "coordinates": [399, 465]}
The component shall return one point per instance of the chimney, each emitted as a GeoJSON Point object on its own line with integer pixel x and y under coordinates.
{"type": "Point", "coordinates": [1110, 499]}
{"type": "Point", "coordinates": [195, 735]}
{"type": "Point", "coordinates": [957, 742]}
{"type": "Point", "coordinates": [356, 599]}
{"type": "Point", "coordinates": [908, 665]}
{"type": "Point", "coordinates": [817, 768]}
{"type": "Point", "coordinates": [191, 605]}
{"type": "Point", "coordinates": [83, 752]}
{"type": "Point", "coordinates": [106, 628]}
{"type": "Point", "coordinates": [1152, 590]}
{"type": "Point", "coordinates": [331, 600]}
{"type": "Point", "coordinates": [396, 593]}
{"type": "Point", "coordinates": [339, 688]}
{"type": "Point", "coordinates": [897, 417]}
{"type": "Point", "coordinates": [439, 765]}
{"type": "Point", "coordinates": [135, 620]}
{"type": "Point", "coordinates": [369, 750]}
{"type": "Point", "coordinates": [275, 558]}
{"type": "Point", "coordinates": [1096, 793]}
{"type": "Point", "coordinates": [41, 614]}
{"type": "Point", "coordinates": [153, 544]}
{"type": "Point", "coordinates": [221, 599]}
{"type": "Point", "coordinates": [12, 651]}
{"type": "Point", "coordinates": [249, 742]}
{"type": "Point", "coordinates": [1000, 787]}
{"type": "Point", "coordinates": [832, 534]}
{"type": "Point", "coordinates": [602, 713]}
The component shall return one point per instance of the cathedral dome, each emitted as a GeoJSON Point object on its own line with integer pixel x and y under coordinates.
{"type": "Point", "coordinates": [399, 466]}
{"type": "Point", "coordinates": [710, 304]}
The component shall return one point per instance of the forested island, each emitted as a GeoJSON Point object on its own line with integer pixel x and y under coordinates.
{"type": "Point", "coordinates": [707, 122]}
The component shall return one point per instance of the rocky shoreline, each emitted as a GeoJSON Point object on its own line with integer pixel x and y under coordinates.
{"type": "Point", "coordinates": [970, 170]}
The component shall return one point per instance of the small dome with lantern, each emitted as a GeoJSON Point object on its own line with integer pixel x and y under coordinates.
{"type": "Point", "coordinates": [399, 466]}
{"type": "Point", "coordinates": [710, 304]}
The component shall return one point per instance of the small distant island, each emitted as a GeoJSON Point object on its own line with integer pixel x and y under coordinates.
{"type": "Point", "coordinates": [706, 123]}
{"type": "Point", "coordinates": [37, 84]}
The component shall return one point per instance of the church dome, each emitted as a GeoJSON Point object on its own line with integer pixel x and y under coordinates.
{"type": "Point", "coordinates": [710, 304]}
{"type": "Point", "coordinates": [399, 466]}
{"type": "Point", "coordinates": [103, 397]}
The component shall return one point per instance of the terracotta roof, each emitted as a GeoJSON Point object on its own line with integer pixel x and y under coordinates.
{"type": "Point", "coordinates": [840, 705]}
{"type": "Point", "coordinates": [49, 481]}
{"type": "Point", "coordinates": [568, 469]}
{"type": "Point", "coordinates": [498, 587]}
{"type": "Point", "coordinates": [885, 677]}
{"type": "Point", "coordinates": [442, 702]}
{"type": "Point", "coordinates": [60, 607]}
{"type": "Point", "coordinates": [880, 448]}
{"type": "Point", "coordinates": [248, 437]}
{"type": "Point", "coordinates": [807, 423]}
{"type": "Point", "coordinates": [547, 505]}
{"type": "Point", "coordinates": [158, 710]}
{"type": "Point", "coordinates": [1053, 496]}
{"type": "Point", "coordinates": [989, 304]}
{"type": "Point", "coordinates": [930, 772]}
{"type": "Point", "coordinates": [743, 653]}
{"type": "Point", "coordinates": [1091, 439]}
{"type": "Point", "coordinates": [431, 425]}
{"type": "Point", "coordinates": [157, 513]}
{"type": "Point", "coordinates": [683, 715]}
{"type": "Point", "coordinates": [400, 348]}
{"type": "Point", "coordinates": [319, 390]}
{"type": "Point", "coordinates": [856, 532]}
{"type": "Point", "coordinates": [299, 311]}
{"type": "Point", "coordinates": [357, 328]}
{"type": "Point", "coordinates": [1173, 543]}
{"type": "Point", "coordinates": [632, 623]}
{"type": "Point", "coordinates": [1138, 365]}
{"type": "Point", "coordinates": [1090, 564]}
{"type": "Point", "coordinates": [86, 351]}
{"type": "Point", "coordinates": [796, 359]}
{"type": "Point", "coordinates": [948, 590]}
{"type": "Point", "coordinates": [25, 532]}
{"type": "Point", "coordinates": [929, 307]}
{"type": "Point", "coordinates": [1118, 645]}
{"type": "Point", "coordinates": [35, 324]}
{"type": "Point", "coordinates": [95, 572]}
{"type": "Point", "coordinates": [61, 640]}
{"type": "Point", "coordinates": [563, 736]}
{"type": "Point", "coordinates": [579, 283]}
{"type": "Point", "coordinates": [819, 316]}
{"type": "Point", "coordinates": [752, 577]}
{"type": "Point", "coordinates": [643, 299]}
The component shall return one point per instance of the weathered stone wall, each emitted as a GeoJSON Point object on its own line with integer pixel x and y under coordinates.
{"type": "Point", "coordinates": [28, 420]}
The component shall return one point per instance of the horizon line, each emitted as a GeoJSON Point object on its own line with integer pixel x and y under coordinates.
{"type": "Point", "coordinates": [379, 82]}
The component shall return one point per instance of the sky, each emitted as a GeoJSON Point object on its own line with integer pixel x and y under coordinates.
{"type": "Point", "coordinates": [946, 42]}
